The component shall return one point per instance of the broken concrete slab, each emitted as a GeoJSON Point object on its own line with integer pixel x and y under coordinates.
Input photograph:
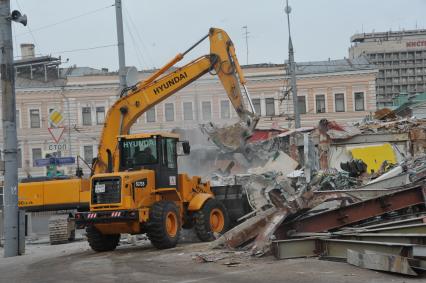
{"type": "Point", "coordinates": [243, 232]}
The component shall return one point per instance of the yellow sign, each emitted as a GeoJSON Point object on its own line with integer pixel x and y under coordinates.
{"type": "Point", "coordinates": [55, 117]}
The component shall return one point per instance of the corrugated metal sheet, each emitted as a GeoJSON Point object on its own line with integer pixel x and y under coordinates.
{"type": "Point", "coordinates": [419, 110]}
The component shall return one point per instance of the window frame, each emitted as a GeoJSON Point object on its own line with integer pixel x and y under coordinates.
{"type": "Point", "coordinates": [223, 117]}
{"type": "Point", "coordinates": [155, 115]}
{"type": "Point", "coordinates": [165, 112]}
{"type": "Point", "coordinates": [316, 103]}
{"type": "Point", "coordinates": [266, 106]}
{"type": "Point", "coordinates": [191, 112]}
{"type": "Point", "coordinates": [305, 102]}
{"type": "Point", "coordinates": [96, 114]}
{"type": "Point", "coordinates": [90, 115]}
{"type": "Point", "coordinates": [210, 110]}
{"type": "Point", "coordinates": [39, 118]}
{"type": "Point", "coordinates": [32, 155]}
{"type": "Point", "coordinates": [335, 102]}
{"type": "Point", "coordinates": [363, 101]}
{"type": "Point", "coordinates": [260, 105]}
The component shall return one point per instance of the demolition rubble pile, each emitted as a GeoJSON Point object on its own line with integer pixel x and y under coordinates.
{"type": "Point", "coordinates": [368, 218]}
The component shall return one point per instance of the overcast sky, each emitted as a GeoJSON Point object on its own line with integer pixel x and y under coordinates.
{"type": "Point", "coordinates": [156, 30]}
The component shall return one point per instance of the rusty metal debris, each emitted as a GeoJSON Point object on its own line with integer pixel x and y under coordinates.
{"type": "Point", "coordinates": [382, 262]}
{"type": "Point", "coordinates": [308, 196]}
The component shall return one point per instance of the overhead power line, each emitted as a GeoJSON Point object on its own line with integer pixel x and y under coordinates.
{"type": "Point", "coordinates": [28, 27]}
{"type": "Point", "coordinates": [65, 20]}
{"type": "Point", "coordinates": [84, 49]}
{"type": "Point", "coordinates": [138, 36]}
{"type": "Point", "coordinates": [136, 48]}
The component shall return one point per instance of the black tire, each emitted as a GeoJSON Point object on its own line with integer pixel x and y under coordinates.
{"type": "Point", "coordinates": [157, 225]}
{"type": "Point", "coordinates": [203, 227]}
{"type": "Point", "coordinates": [99, 242]}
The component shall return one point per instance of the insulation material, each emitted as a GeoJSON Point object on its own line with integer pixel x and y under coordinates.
{"type": "Point", "coordinates": [374, 155]}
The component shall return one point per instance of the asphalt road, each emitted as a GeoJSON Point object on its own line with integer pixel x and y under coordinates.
{"type": "Point", "coordinates": [75, 262]}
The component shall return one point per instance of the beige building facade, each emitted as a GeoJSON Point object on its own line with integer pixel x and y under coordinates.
{"type": "Point", "coordinates": [343, 94]}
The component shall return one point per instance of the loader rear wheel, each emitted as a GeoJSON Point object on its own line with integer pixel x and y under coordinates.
{"type": "Point", "coordinates": [164, 225]}
{"type": "Point", "coordinates": [100, 242]}
{"type": "Point", "coordinates": [211, 219]}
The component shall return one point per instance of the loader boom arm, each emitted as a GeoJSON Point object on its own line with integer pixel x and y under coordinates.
{"type": "Point", "coordinates": [146, 94]}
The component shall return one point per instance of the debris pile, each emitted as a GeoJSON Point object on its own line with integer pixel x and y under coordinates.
{"type": "Point", "coordinates": [392, 126]}
{"type": "Point", "coordinates": [350, 193]}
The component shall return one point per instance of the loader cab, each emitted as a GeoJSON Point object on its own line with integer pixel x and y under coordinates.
{"type": "Point", "coordinates": [157, 152]}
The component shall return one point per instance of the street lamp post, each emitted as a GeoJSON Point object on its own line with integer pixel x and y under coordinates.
{"type": "Point", "coordinates": [292, 69]}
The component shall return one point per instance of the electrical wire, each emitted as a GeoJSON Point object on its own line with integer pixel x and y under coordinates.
{"type": "Point", "coordinates": [84, 49]}
{"type": "Point", "coordinates": [135, 27]}
{"type": "Point", "coordinates": [139, 56]}
{"type": "Point", "coordinates": [65, 20]}
{"type": "Point", "coordinates": [28, 27]}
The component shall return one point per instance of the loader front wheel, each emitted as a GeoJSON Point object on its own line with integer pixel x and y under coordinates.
{"type": "Point", "coordinates": [164, 225]}
{"type": "Point", "coordinates": [100, 242]}
{"type": "Point", "coordinates": [211, 219]}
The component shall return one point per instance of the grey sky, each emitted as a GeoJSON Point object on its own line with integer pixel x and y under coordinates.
{"type": "Point", "coordinates": [156, 30]}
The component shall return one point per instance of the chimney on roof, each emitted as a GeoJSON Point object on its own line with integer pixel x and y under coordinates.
{"type": "Point", "coordinates": [27, 50]}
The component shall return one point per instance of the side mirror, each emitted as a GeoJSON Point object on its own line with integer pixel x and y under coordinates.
{"type": "Point", "coordinates": [186, 147]}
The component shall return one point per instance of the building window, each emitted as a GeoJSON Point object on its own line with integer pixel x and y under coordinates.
{"type": "Point", "coordinates": [100, 115]}
{"type": "Point", "coordinates": [150, 115]}
{"type": "Point", "coordinates": [88, 153]}
{"type": "Point", "coordinates": [359, 101]}
{"type": "Point", "coordinates": [36, 153]}
{"type": "Point", "coordinates": [19, 158]}
{"type": "Point", "coordinates": [339, 102]}
{"type": "Point", "coordinates": [34, 118]}
{"type": "Point", "coordinates": [87, 116]}
{"type": "Point", "coordinates": [170, 111]}
{"type": "Point", "coordinates": [18, 119]}
{"type": "Point", "coordinates": [224, 109]}
{"type": "Point", "coordinates": [187, 111]}
{"type": "Point", "coordinates": [256, 105]}
{"type": "Point", "coordinates": [270, 106]}
{"type": "Point", "coordinates": [301, 104]}
{"type": "Point", "coordinates": [206, 107]}
{"type": "Point", "coordinates": [320, 103]}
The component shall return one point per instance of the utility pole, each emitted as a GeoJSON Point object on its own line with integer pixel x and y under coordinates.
{"type": "Point", "coordinates": [10, 140]}
{"type": "Point", "coordinates": [246, 33]}
{"type": "Point", "coordinates": [292, 69]}
{"type": "Point", "coordinates": [120, 45]}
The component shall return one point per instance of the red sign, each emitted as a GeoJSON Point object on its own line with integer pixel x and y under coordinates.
{"type": "Point", "coordinates": [416, 43]}
{"type": "Point", "coordinates": [56, 133]}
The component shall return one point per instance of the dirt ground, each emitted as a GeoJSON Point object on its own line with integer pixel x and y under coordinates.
{"type": "Point", "coordinates": [76, 262]}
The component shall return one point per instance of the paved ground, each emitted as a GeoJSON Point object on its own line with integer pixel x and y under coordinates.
{"type": "Point", "coordinates": [75, 262]}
